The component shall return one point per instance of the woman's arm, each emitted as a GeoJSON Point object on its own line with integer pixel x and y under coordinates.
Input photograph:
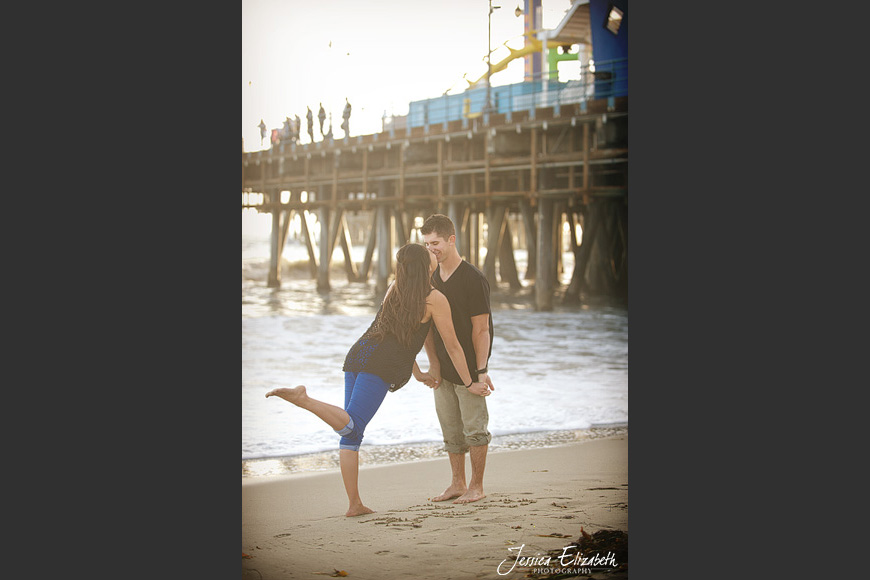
{"type": "Point", "coordinates": [444, 322]}
{"type": "Point", "coordinates": [424, 378]}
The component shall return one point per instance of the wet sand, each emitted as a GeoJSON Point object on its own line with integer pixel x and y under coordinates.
{"type": "Point", "coordinates": [293, 526]}
{"type": "Point", "coordinates": [412, 452]}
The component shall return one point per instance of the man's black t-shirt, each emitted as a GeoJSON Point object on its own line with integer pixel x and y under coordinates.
{"type": "Point", "coordinates": [468, 293]}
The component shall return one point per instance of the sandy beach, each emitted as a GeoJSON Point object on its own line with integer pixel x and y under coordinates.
{"type": "Point", "coordinates": [294, 526]}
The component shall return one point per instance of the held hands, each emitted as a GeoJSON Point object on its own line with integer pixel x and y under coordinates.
{"type": "Point", "coordinates": [435, 376]}
{"type": "Point", "coordinates": [430, 379]}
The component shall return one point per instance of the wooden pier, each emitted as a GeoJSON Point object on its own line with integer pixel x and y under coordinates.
{"type": "Point", "coordinates": [540, 168]}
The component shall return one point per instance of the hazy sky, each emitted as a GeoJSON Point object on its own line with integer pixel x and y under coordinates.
{"type": "Point", "coordinates": [383, 54]}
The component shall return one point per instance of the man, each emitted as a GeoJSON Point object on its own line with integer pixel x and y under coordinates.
{"type": "Point", "coordinates": [346, 116]}
{"type": "Point", "coordinates": [286, 130]}
{"type": "Point", "coordinates": [461, 411]}
{"type": "Point", "coordinates": [321, 116]}
{"type": "Point", "coordinates": [310, 117]}
{"type": "Point", "coordinates": [262, 127]}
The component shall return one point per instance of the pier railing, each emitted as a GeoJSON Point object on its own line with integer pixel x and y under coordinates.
{"type": "Point", "coordinates": [604, 80]}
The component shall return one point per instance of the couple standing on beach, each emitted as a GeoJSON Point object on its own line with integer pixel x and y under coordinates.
{"type": "Point", "coordinates": [440, 302]}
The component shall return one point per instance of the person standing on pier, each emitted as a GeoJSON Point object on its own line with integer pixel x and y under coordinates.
{"type": "Point", "coordinates": [262, 127]}
{"type": "Point", "coordinates": [321, 116]}
{"type": "Point", "coordinates": [383, 360]}
{"type": "Point", "coordinates": [462, 411]}
{"type": "Point", "coordinates": [310, 117]}
{"type": "Point", "coordinates": [346, 116]}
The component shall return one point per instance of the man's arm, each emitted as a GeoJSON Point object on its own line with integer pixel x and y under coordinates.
{"type": "Point", "coordinates": [432, 355]}
{"type": "Point", "coordinates": [443, 322]}
{"type": "Point", "coordinates": [480, 339]}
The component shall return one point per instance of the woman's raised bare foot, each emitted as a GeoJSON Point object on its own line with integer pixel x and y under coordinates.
{"type": "Point", "coordinates": [358, 510]}
{"type": "Point", "coordinates": [294, 395]}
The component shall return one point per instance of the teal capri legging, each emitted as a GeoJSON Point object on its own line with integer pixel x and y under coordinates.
{"type": "Point", "coordinates": [363, 395]}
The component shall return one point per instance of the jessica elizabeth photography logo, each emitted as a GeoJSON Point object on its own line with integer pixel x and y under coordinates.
{"type": "Point", "coordinates": [570, 561]}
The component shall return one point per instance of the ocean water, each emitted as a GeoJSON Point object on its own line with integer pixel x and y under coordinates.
{"type": "Point", "coordinates": [558, 376]}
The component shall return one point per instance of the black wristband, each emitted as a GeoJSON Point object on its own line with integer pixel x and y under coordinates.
{"type": "Point", "coordinates": [469, 384]}
{"type": "Point", "coordinates": [481, 371]}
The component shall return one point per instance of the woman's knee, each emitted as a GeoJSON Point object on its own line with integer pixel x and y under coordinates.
{"type": "Point", "coordinates": [347, 429]}
{"type": "Point", "coordinates": [351, 434]}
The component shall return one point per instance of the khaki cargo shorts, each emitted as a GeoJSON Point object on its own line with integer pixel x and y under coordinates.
{"type": "Point", "coordinates": [463, 417]}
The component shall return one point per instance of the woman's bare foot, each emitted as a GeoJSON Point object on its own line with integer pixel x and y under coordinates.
{"type": "Point", "coordinates": [471, 495]}
{"type": "Point", "coordinates": [450, 493]}
{"type": "Point", "coordinates": [358, 510]}
{"type": "Point", "coordinates": [294, 395]}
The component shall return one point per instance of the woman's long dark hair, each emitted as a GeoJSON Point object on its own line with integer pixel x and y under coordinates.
{"type": "Point", "coordinates": [405, 304]}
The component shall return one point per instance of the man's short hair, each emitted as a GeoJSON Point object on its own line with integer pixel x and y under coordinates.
{"type": "Point", "coordinates": [440, 224]}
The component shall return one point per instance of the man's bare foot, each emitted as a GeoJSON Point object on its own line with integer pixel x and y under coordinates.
{"type": "Point", "coordinates": [450, 493]}
{"type": "Point", "coordinates": [358, 510]}
{"type": "Point", "coordinates": [471, 495]}
{"type": "Point", "coordinates": [294, 395]}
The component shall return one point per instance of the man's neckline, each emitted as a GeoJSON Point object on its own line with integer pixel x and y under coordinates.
{"type": "Point", "coordinates": [441, 270]}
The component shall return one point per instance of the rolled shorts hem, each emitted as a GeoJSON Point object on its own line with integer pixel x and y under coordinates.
{"type": "Point", "coordinates": [477, 441]}
{"type": "Point", "coordinates": [347, 429]}
{"type": "Point", "coordinates": [453, 448]}
{"type": "Point", "coordinates": [350, 447]}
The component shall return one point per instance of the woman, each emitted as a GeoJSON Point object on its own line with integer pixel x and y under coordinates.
{"type": "Point", "coordinates": [382, 360]}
